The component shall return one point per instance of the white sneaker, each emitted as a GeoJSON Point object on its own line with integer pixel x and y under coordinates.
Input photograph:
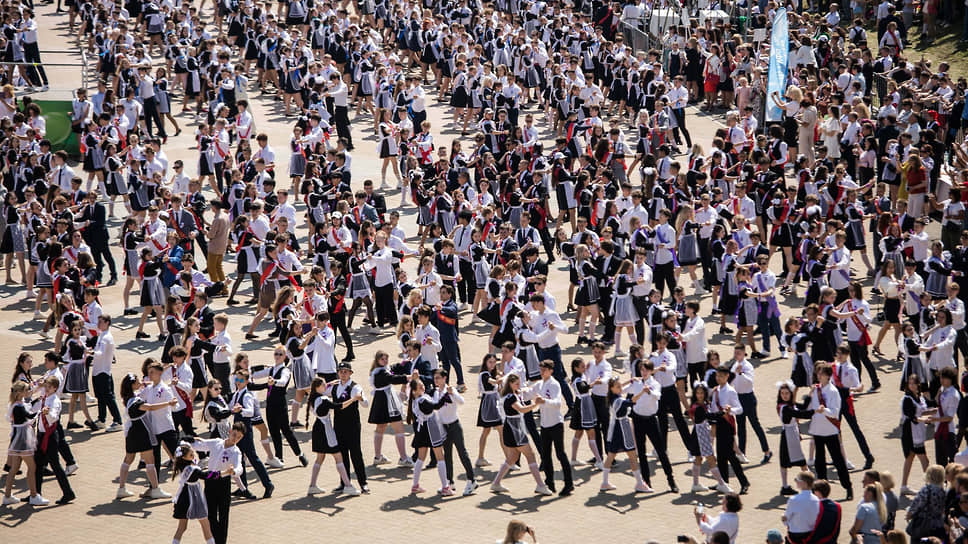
{"type": "Point", "coordinates": [10, 500]}
{"type": "Point", "coordinates": [543, 490]}
{"type": "Point", "coordinates": [45, 88]}
{"type": "Point", "coordinates": [742, 458]}
{"type": "Point", "coordinates": [351, 490]}
{"type": "Point", "coordinates": [599, 465]}
{"type": "Point", "coordinates": [373, 330]}
{"type": "Point", "coordinates": [724, 489]}
{"type": "Point", "coordinates": [71, 469]}
{"type": "Point", "coordinates": [691, 458]}
{"type": "Point", "coordinates": [905, 490]}
{"type": "Point", "coordinates": [470, 488]}
{"type": "Point", "coordinates": [123, 493]}
{"type": "Point", "coordinates": [850, 466]}
{"type": "Point", "coordinates": [495, 488]}
{"type": "Point", "coordinates": [159, 493]}
{"type": "Point", "coordinates": [38, 500]}
{"type": "Point", "coordinates": [810, 461]}
{"type": "Point", "coordinates": [482, 462]}
{"type": "Point", "coordinates": [44, 334]}
{"type": "Point", "coordinates": [405, 462]}
{"type": "Point", "coordinates": [38, 315]}
{"type": "Point", "coordinates": [784, 354]}
{"type": "Point", "coordinates": [275, 462]}
{"type": "Point", "coordinates": [381, 460]}
{"type": "Point", "coordinates": [113, 428]}
{"type": "Point", "coordinates": [313, 490]}
{"type": "Point", "coordinates": [514, 468]}
{"type": "Point", "coordinates": [699, 488]}
{"type": "Point", "coordinates": [654, 454]}
{"type": "Point", "coordinates": [577, 463]}
{"type": "Point", "coordinates": [620, 354]}
{"type": "Point", "coordinates": [463, 306]}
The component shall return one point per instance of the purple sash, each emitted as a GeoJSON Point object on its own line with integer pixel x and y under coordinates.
{"type": "Point", "coordinates": [772, 310]}
{"type": "Point", "coordinates": [658, 234]}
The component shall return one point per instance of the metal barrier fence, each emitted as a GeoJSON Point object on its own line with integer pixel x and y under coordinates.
{"type": "Point", "coordinates": [59, 60]}
{"type": "Point", "coordinates": [878, 90]}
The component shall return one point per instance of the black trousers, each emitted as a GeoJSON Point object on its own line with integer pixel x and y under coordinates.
{"type": "Point", "coordinates": [601, 413]}
{"type": "Point", "coordinates": [220, 371]}
{"type": "Point", "coordinates": [101, 254]}
{"type": "Point", "coordinates": [725, 456]}
{"type": "Point", "coordinates": [665, 275]}
{"type": "Point", "coordinates": [608, 319]}
{"type": "Point", "coordinates": [961, 345]}
{"type": "Point", "coordinates": [49, 456]}
{"type": "Point", "coordinates": [32, 54]}
{"type": "Point", "coordinates": [338, 321]}
{"type": "Point", "coordinates": [64, 448]}
{"type": "Point", "coordinates": [648, 426]}
{"type": "Point", "coordinates": [152, 115]}
{"type": "Point", "coordinates": [532, 428]}
{"type": "Point", "coordinates": [348, 437]}
{"type": "Point", "coordinates": [669, 405]}
{"type": "Point", "coordinates": [247, 447]}
{"type": "Point", "coordinates": [170, 440]}
{"type": "Point", "coordinates": [553, 353]}
{"type": "Point", "coordinates": [748, 402]}
{"type": "Point", "coordinates": [450, 360]}
{"type": "Point", "coordinates": [851, 419]}
{"type": "Point", "coordinates": [467, 286]}
{"type": "Point", "coordinates": [455, 439]}
{"type": "Point", "coordinates": [706, 257]}
{"type": "Point", "coordinates": [183, 422]}
{"type": "Point", "coordinates": [104, 392]}
{"type": "Point", "coordinates": [860, 358]}
{"type": "Point", "coordinates": [341, 119]}
{"type": "Point", "coordinates": [555, 437]}
{"type": "Point", "coordinates": [832, 443]}
{"type": "Point", "coordinates": [944, 448]}
{"type": "Point", "coordinates": [386, 313]}
{"type": "Point", "coordinates": [277, 419]}
{"type": "Point", "coordinates": [218, 496]}
{"type": "Point", "coordinates": [680, 115]}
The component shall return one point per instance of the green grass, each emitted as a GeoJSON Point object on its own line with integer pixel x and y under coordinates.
{"type": "Point", "coordinates": [946, 47]}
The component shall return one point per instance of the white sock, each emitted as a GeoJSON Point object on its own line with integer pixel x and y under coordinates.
{"type": "Point", "coordinates": [696, 469]}
{"type": "Point", "coordinates": [638, 477]}
{"type": "Point", "coordinates": [535, 473]}
{"type": "Point", "coordinates": [575, 442]}
{"type": "Point", "coordinates": [417, 468]}
{"type": "Point", "coordinates": [401, 445]}
{"type": "Point", "coordinates": [315, 475]}
{"type": "Point", "coordinates": [266, 446]}
{"type": "Point", "coordinates": [718, 475]}
{"type": "Point", "coordinates": [501, 473]}
{"type": "Point", "coordinates": [594, 447]}
{"type": "Point", "coordinates": [175, 541]}
{"type": "Point", "coordinates": [210, 541]}
{"type": "Point", "coordinates": [341, 468]}
{"type": "Point", "coordinates": [442, 472]}
{"type": "Point", "coordinates": [605, 476]}
{"type": "Point", "coordinates": [618, 341]}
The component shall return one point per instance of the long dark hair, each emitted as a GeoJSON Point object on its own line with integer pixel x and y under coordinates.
{"type": "Point", "coordinates": [411, 416]}
{"type": "Point", "coordinates": [19, 369]}
{"type": "Point", "coordinates": [313, 395]}
{"type": "Point", "coordinates": [180, 461]}
{"type": "Point", "coordinates": [206, 398]}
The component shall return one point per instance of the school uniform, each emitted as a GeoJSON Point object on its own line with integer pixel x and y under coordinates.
{"type": "Point", "coordinates": [346, 425]}
{"type": "Point", "coordinates": [189, 499]}
{"type": "Point", "coordinates": [645, 424]}
{"type": "Point", "coordinates": [454, 433]}
{"type": "Point", "coordinates": [720, 397]}
{"type": "Point", "coordinates": [249, 414]}
{"type": "Point", "coordinates": [218, 487]}
{"type": "Point", "coordinates": [49, 437]}
{"type": "Point", "coordinates": [277, 414]}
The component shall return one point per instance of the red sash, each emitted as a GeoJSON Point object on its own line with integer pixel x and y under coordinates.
{"type": "Point", "coordinates": [839, 383]}
{"type": "Point", "coordinates": [943, 429]}
{"type": "Point", "coordinates": [865, 339]}
{"type": "Point", "coordinates": [188, 402]}
{"type": "Point", "coordinates": [48, 428]}
{"type": "Point", "coordinates": [834, 420]}
{"type": "Point", "coordinates": [729, 418]}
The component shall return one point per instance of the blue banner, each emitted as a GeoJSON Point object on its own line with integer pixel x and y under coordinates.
{"type": "Point", "coordinates": [779, 54]}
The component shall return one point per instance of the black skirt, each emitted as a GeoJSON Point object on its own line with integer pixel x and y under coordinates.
{"type": "Point", "coordinates": [320, 442]}
{"type": "Point", "coordinates": [137, 440]}
{"type": "Point", "coordinates": [380, 411]}
{"type": "Point", "coordinates": [892, 309]}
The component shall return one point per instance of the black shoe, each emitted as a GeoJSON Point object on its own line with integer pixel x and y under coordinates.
{"type": "Point", "coordinates": [252, 301]}
{"type": "Point", "coordinates": [74, 425]}
{"type": "Point", "coordinates": [249, 495]}
{"type": "Point", "coordinates": [131, 311]}
{"type": "Point", "coordinates": [142, 334]}
{"type": "Point", "coordinates": [303, 460]}
{"type": "Point", "coordinates": [112, 281]}
{"type": "Point", "coordinates": [869, 463]}
{"type": "Point", "coordinates": [91, 425]}
{"type": "Point", "coordinates": [238, 493]}
{"type": "Point", "coordinates": [744, 490]}
{"type": "Point", "coordinates": [759, 355]}
{"type": "Point", "coordinates": [296, 425]}
{"type": "Point", "coordinates": [141, 465]}
{"type": "Point", "coordinates": [48, 472]}
{"type": "Point", "coordinates": [549, 485]}
{"type": "Point", "coordinates": [767, 456]}
{"type": "Point", "coordinates": [725, 330]}
{"type": "Point", "coordinates": [338, 489]}
{"type": "Point", "coordinates": [349, 358]}
{"type": "Point", "coordinates": [788, 491]}
{"type": "Point", "coordinates": [231, 302]}
{"type": "Point", "coordinates": [566, 491]}
{"type": "Point", "coordinates": [250, 336]}
{"type": "Point", "coordinates": [268, 493]}
{"type": "Point", "coordinates": [673, 487]}
{"type": "Point", "coordinates": [365, 489]}
{"type": "Point", "coordinates": [581, 340]}
{"type": "Point", "coordinates": [273, 334]}
{"type": "Point", "coordinates": [66, 499]}
{"type": "Point", "coordinates": [431, 465]}
{"type": "Point", "coordinates": [153, 314]}
{"type": "Point", "coordinates": [850, 495]}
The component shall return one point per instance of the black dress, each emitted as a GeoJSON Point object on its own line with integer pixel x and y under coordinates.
{"type": "Point", "coordinates": [386, 406]}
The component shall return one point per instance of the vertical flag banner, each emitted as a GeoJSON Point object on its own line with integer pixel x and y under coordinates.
{"type": "Point", "coordinates": [779, 54]}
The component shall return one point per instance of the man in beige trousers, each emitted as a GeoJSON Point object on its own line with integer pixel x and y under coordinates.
{"type": "Point", "coordinates": [218, 240]}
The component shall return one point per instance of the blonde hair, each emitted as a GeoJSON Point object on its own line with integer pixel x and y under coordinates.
{"type": "Point", "coordinates": [18, 390]}
{"type": "Point", "coordinates": [934, 475]}
{"type": "Point", "coordinates": [887, 480]}
{"type": "Point", "coordinates": [516, 529]}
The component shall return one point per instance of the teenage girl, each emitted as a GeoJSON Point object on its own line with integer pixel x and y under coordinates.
{"type": "Point", "coordinates": [138, 437]}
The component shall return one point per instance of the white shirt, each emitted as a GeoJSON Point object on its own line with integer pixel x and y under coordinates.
{"type": "Point", "coordinates": [160, 420]}
{"type": "Point", "coordinates": [727, 522]}
{"type": "Point", "coordinates": [220, 458]}
{"type": "Point", "coordinates": [667, 376]}
{"type": "Point", "coordinates": [322, 349]}
{"type": "Point", "coordinates": [550, 409]}
{"type": "Point", "coordinates": [648, 404]}
{"type": "Point", "coordinates": [694, 338]}
{"type": "Point", "coordinates": [601, 370]}
{"type": "Point", "coordinates": [801, 512]}
{"type": "Point", "coordinates": [546, 336]}
{"type": "Point", "coordinates": [723, 396]}
{"type": "Point", "coordinates": [429, 338]}
{"type": "Point", "coordinates": [103, 354]}
{"type": "Point", "coordinates": [820, 425]}
{"type": "Point", "coordinates": [854, 333]}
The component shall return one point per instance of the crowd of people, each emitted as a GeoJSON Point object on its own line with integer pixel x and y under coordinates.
{"type": "Point", "coordinates": [563, 145]}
